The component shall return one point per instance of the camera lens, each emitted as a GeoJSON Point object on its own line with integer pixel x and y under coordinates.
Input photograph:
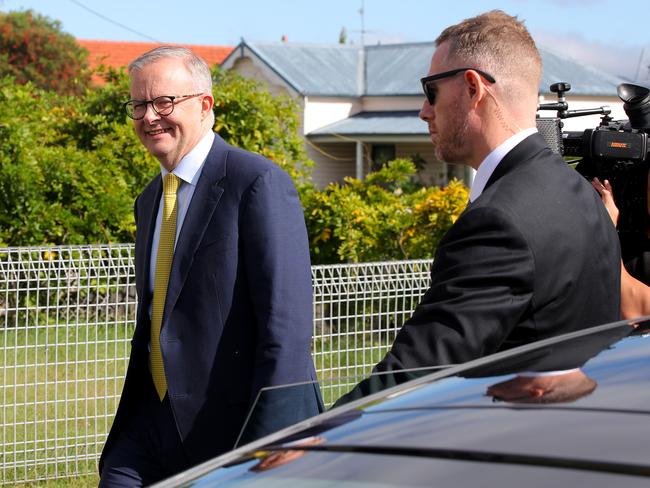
{"type": "Point", "coordinates": [636, 104]}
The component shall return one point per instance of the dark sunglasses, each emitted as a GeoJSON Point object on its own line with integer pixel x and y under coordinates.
{"type": "Point", "coordinates": [427, 81]}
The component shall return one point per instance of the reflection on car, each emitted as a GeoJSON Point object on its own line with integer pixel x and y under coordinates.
{"type": "Point", "coordinates": [568, 411]}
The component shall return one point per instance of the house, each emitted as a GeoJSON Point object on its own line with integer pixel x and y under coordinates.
{"type": "Point", "coordinates": [120, 53]}
{"type": "Point", "coordinates": [359, 105]}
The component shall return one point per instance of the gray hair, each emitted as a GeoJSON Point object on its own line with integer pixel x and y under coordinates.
{"type": "Point", "coordinates": [196, 66]}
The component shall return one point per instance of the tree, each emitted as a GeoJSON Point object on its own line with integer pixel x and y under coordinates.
{"type": "Point", "coordinates": [343, 36]}
{"type": "Point", "coordinates": [34, 48]}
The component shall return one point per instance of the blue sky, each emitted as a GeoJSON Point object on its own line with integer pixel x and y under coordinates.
{"type": "Point", "coordinates": [609, 34]}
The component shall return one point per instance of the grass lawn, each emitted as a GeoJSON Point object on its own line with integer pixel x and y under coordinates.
{"type": "Point", "coordinates": [59, 388]}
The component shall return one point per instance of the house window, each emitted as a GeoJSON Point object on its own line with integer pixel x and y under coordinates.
{"type": "Point", "coordinates": [381, 154]}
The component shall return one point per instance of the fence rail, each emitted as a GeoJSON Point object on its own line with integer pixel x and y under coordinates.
{"type": "Point", "coordinates": [66, 318]}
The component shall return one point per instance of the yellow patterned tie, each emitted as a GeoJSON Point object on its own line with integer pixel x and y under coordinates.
{"type": "Point", "coordinates": [163, 266]}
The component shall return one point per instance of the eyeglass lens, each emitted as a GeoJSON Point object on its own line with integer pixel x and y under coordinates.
{"type": "Point", "coordinates": [430, 92]}
{"type": "Point", "coordinates": [163, 105]}
{"type": "Point", "coordinates": [428, 82]}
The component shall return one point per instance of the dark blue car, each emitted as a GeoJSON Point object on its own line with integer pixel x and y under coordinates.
{"type": "Point", "coordinates": [569, 411]}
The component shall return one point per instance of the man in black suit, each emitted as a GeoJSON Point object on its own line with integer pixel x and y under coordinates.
{"type": "Point", "coordinates": [233, 313]}
{"type": "Point", "coordinates": [534, 254]}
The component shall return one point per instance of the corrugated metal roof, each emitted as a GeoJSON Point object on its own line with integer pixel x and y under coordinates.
{"type": "Point", "coordinates": [377, 123]}
{"type": "Point", "coordinates": [314, 69]}
{"type": "Point", "coordinates": [395, 69]}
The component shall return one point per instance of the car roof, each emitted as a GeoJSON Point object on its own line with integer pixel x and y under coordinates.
{"type": "Point", "coordinates": [447, 415]}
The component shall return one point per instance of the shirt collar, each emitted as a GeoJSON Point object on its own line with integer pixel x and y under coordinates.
{"type": "Point", "coordinates": [188, 167]}
{"type": "Point", "coordinates": [492, 160]}
{"type": "Point", "coordinates": [539, 374]}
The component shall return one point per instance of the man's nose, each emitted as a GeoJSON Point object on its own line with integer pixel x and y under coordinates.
{"type": "Point", "coordinates": [150, 114]}
{"type": "Point", "coordinates": [426, 112]}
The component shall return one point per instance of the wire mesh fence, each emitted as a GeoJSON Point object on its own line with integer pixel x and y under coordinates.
{"type": "Point", "coordinates": [67, 315]}
{"type": "Point", "coordinates": [358, 309]}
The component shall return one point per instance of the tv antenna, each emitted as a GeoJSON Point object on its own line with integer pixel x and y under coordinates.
{"type": "Point", "coordinates": [363, 31]}
{"type": "Point", "coordinates": [363, 28]}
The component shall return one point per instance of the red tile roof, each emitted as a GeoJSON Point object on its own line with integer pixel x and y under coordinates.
{"type": "Point", "coordinates": [121, 53]}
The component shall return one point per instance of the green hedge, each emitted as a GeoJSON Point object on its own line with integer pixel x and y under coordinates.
{"type": "Point", "coordinates": [71, 167]}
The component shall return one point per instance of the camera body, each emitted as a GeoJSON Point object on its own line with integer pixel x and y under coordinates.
{"type": "Point", "coordinates": [615, 141]}
{"type": "Point", "coordinates": [616, 150]}
{"type": "Point", "coordinates": [612, 140]}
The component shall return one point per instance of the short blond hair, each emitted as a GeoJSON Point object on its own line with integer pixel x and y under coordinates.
{"type": "Point", "coordinates": [499, 44]}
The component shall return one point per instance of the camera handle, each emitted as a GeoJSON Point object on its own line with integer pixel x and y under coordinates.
{"type": "Point", "coordinates": [562, 107]}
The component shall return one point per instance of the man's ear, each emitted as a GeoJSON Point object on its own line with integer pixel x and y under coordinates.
{"type": "Point", "coordinates": [206, 105]}
{"type": "Point", "coordinates": [474, 86]}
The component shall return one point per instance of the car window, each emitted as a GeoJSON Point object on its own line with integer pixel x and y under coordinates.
{"type": "Point", "coordinates": [276, 396]}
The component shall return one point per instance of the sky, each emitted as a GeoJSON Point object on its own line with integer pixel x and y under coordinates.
{"type": "Point", "coordinates": [608, 34]}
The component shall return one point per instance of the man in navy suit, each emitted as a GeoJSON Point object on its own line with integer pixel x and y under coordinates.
{"type": "Point", "coordinates": [533, 254]}
{"type": "Point", "coordinates": [237, 311]}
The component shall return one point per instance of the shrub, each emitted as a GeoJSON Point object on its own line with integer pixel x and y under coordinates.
{"type": "Point", "coordinates": [384, 217]}
{"type": "Point", "coordinates": [71, 167]}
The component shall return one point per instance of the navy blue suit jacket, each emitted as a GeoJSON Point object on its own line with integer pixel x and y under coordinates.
{"type": "Point", "coordinates": [238, 313]}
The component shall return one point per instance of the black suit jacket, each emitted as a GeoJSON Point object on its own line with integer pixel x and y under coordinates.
{"type": "Point", "coordinates": [534, 256]}
{"type": "Point", "coordinates": [238, 313]}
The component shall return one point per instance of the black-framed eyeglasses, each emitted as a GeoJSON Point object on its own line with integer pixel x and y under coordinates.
{"type": "Point", "coordinates": [428, 81]}
{"type": "Point", "coordinates": [163, 105]}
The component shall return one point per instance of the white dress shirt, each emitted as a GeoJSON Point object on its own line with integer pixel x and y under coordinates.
{"type": "Point", "coordinates": [540, 374]}
{"type": "Point", "coordinates": [188, 170]}
{"type": "Point", "coordinates": [492, 160]}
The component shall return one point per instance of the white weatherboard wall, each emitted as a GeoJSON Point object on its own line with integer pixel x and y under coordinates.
{"type": "Point", "coordinates": [391, 104]}
{"type": "Point", "coordinates": [322, 111]}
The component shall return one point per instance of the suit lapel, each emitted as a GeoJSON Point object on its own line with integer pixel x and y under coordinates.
{"type": "Point", "coordinates": [147, 207]}
{"type": "Point", "coordinates": [148, 211]}
{"type": "Point", "coordinates": [524, 151]}
{"type": "Point", "coordinates": [204, 201]}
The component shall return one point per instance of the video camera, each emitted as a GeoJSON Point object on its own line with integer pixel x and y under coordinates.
{"type": "Point", "coordinates": [616, 150]}
{"type": "Point", "coordinates": [618, 140]}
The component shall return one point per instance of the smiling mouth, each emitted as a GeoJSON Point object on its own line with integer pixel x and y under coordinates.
{"type": "Point", "coordinates": [156, 132]}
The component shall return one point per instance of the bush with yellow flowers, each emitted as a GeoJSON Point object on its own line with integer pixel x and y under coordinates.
{"type": "Point", "coordinates": [384, 217]}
